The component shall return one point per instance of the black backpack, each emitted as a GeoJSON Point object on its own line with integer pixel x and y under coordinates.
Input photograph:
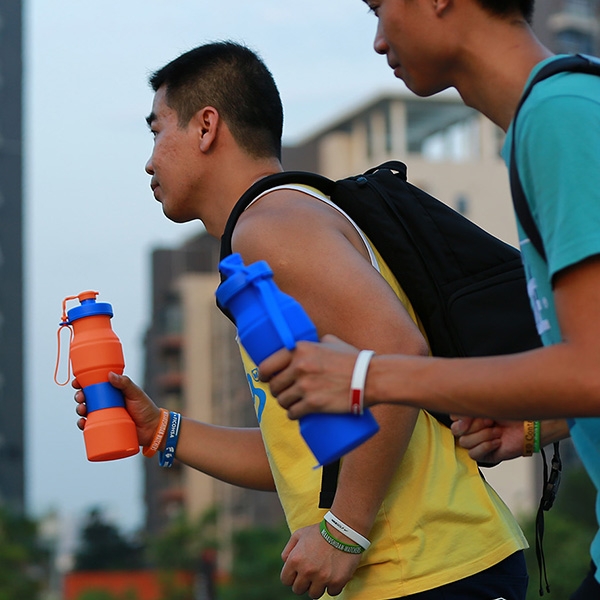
{"type": "Point", "coordinates": [467, 287]}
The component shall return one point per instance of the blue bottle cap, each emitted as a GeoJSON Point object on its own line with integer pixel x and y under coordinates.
{"type": "Point", "coordinates": [238, 276]}
{"type": "Point", "coordinates": [89, 308]}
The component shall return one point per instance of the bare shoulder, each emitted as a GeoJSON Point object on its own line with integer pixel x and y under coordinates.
{"type": "Point", "coordinates": [285, 222]}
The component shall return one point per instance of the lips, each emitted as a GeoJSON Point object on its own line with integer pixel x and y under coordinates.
{"type": "Point", "coordinates": [154, 187]}
{"type": "Point", "coordinates": [397, 68]}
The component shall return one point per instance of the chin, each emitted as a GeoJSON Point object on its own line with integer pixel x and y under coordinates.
{"type": "Point", "coordinates": [425, 92]}
{"type": "Point", "coordinates": [177, 217]}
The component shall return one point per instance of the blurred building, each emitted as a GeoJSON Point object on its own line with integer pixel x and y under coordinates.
{"type": "Point", "coordinates": [12, 492]}
{"type": "Point", "coordinates": [568, 26]}
{"type": "Point", "coordinates": [193, 366]}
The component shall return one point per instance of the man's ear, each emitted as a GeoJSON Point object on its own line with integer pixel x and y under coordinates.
{"type": "Point", "coordinates": [207, 121]}
{"type": "Point", "coordinates": [440, 6]}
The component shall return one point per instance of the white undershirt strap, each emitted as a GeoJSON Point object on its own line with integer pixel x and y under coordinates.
{"type": "Point", "coordinates": [319, 196]}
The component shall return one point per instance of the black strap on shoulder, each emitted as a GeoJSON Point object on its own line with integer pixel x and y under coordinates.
{"type": "Point", "coordinates": [319, 182]}
{"type": "Point", "coordinates": [577, 63]}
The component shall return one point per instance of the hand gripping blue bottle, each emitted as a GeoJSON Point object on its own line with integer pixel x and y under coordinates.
{"type": "Point", "coordinates": [268, 320]}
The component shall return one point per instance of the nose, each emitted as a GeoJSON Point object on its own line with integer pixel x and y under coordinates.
{"type": "Point", "coordinates": [379, 43]}
{"type": "Point", "coordinates": [149, 168]}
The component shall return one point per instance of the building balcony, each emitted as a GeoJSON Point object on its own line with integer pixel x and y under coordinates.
{"type": "Point", "coordinates": [172, 381]}
{"type": "Point", "coordinates": [170, 343]}
{"type": "Point", "coordinates": [574, 21]}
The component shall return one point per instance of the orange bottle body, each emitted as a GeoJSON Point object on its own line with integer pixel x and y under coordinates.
{"type": "Point", "coordinates": [109, 432]}
{"type": "Point", "coordinates": [95, 350]}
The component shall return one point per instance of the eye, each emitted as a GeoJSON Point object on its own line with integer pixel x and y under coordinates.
{"type": "Point", "coordinates": [373, 7]}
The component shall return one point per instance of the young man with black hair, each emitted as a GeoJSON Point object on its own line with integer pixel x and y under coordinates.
{"type": "Point", "coordinates": [436, 528]}
{"type": "Point", "coordinates": [488, 52]}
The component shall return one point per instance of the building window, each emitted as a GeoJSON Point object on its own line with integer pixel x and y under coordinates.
{"type": "Point", "coordinates": [572, 41]}
{"type": "Point", "coordinates": [172, 316]}
{"type": "Point", "coordinates": [456, 142]}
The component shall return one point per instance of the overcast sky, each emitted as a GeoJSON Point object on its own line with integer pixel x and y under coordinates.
{"type": "Point", "coordinates": [91, 220]}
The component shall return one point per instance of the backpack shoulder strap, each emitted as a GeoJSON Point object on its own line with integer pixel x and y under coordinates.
{"type": "Point", "coordinates": [578, 63]}
{"type": "Point", "coordinates": [323, 184]}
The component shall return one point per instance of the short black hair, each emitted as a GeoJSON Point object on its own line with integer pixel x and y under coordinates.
{"type": "Point", "coordinates": [234, 80]}
{"type": "Point", "coordinates": [505, 8]}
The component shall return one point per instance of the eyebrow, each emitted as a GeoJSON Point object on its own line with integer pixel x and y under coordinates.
{"type": "Point", "coordinates": [150, 118]}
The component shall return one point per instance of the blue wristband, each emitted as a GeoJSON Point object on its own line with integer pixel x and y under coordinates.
{"type": "Point", "coordinates": [165, 459]}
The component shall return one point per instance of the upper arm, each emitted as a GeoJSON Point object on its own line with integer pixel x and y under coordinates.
{"type": "Point", "coordinates": [316, 260]}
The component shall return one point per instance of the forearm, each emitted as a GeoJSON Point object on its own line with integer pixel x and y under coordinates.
{"type": "Point", "coordinates": [366, 472]}
{"type": "Point", "coordinates": [233, 455]}
{"type": "Point", "coordinates": [553, 431]}
{"type": "Point", "coordinates": [549, 383]}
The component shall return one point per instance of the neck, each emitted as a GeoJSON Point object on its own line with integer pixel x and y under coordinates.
{"type": "Point", "coordinates": [494, 65]}
{"type": "Point", "coordinates": [234, 177]}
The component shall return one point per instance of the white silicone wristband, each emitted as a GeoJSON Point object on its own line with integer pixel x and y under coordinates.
{"type": "Point", "coordinates": [361, 540]}
{"type": "Point", "coordinates": [357, 384]}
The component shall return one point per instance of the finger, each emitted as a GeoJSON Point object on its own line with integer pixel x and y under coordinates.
{"type": "Point", "coordinates": [76, 384]}
{"type": "Point", "coordinates": [79, 397]}
{"type": "Point", "coordinates": [288, 575]}
{"type": "Point", "coordinates": [471, 440]}
{"type": "Point", "coordinates": [468, 425]}
{"type": "Point", "coordinates": [301, 586]}
{"type": "Point", "coordinates": [81, 423]}
{"type": "Point", "coordinates": [273, 364]}
{"type": "Point", "coordinates": [315, 591]}
{"type": "Point", "coordinates": [296, 412]}
{"type": "Point", "coordinates": [121, 382]}
{"type": "Point", "coordinates": [283, 388]}
{"type": "Point", "coordinates": [486, 453]}
{"type": "Point", "coordinates": [81, 410]}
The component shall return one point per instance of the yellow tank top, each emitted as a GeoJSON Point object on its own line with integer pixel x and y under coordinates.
{"type": "Point", "coordinates": [440, 521]}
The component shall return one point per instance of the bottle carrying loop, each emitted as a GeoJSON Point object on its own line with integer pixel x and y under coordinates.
{"type": "Point", "coordinates": [61, 328]}
{"type": "Point", "coordinates": [64, 322]}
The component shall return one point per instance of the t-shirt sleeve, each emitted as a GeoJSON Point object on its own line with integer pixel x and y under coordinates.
{"type": "Point", "coordinates": [559, 166]}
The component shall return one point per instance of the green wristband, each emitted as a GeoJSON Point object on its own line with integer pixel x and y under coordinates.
{"type": "Point", "coordinates": [536, 436]}
{"type": "Point", "coordinates": [348, 548]}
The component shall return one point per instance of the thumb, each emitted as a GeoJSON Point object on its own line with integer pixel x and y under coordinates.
{"type": "Point", "coordinates": [122, 382]}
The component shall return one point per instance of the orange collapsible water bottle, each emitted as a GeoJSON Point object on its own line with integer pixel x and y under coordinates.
{"type": "Point", "coordinates": [95, 350]}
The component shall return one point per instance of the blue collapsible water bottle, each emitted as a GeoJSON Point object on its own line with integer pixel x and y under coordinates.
{"type": "Point", "coordinates": [268, 320]}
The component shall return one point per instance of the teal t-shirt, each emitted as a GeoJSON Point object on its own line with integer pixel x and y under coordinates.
{"type": "Point", "coordinates": [558, 159]}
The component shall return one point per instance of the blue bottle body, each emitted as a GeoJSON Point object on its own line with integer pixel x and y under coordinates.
{"type": "Point", "coordinates": [267, 320]}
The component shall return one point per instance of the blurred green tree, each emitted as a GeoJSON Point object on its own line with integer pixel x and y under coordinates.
{"type": "Point", "coordinates": [22, 559]}
{"type": "Point", "coordinates": [103, 547]}
{"type": "Point", "coordinates": [257, 565]}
